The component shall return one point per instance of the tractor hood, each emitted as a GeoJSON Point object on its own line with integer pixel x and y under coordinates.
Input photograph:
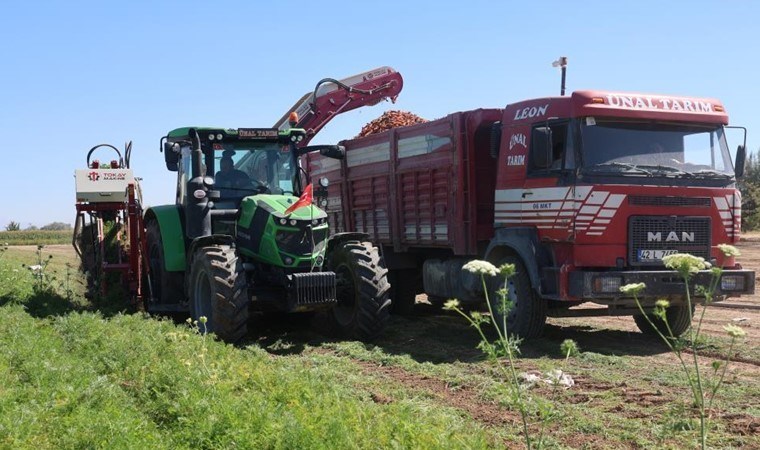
{"type": "Point", "coordinates": [295, 240]}
{"type": "Point", "coordinates": [276, 205]}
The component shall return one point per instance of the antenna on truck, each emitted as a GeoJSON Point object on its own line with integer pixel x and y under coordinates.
{"type": "Point", "coordinates": [562, 63]}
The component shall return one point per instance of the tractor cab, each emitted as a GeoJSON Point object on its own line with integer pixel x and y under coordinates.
{"type": "Point", "coordinates": [235, 163]}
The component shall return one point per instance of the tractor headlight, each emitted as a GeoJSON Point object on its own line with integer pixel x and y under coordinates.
{"type": "Point", "coordinates": [211, 136]}
{"type": "Point", "coordinates": [324, 182]}
{"type": "Point", "coordinates": [219, 137]}
{"type": "Point", "coordinates": [293, 222]}
{"type": "Point", "coordinates": [323, 202]}
{"type": "Point", "coordinates": [283, 221]}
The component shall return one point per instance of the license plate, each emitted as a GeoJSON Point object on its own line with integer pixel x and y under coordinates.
{"type": "Point", "coordinates": [654, 255]}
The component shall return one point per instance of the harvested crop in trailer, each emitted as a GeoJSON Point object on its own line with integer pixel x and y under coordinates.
{"type": "Point", "coordinates": [390, 119]}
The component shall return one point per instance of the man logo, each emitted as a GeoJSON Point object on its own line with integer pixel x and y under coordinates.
{"type": "Point", "coordinates": [671, 237]}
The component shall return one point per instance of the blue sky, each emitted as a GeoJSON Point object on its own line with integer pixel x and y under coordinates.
{"type": "Point", "coordinates": [75, 74]}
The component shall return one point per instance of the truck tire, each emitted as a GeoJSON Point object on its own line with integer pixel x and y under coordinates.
{"type": "Point", "coordinates": [678, 317]}
{"type": "Point", "coordinates": [167, 287]}
{"type": "Point", "coordinates": [217, 290]}
{"type": "Point", "coordinates": [363, 307]}
{"type": "Point", "coordinates": [527, 317]}
{"type": "Point", "coordinates": [403, 291]}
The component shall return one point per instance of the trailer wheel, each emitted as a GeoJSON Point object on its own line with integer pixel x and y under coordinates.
{"type": "Point", "coordinates": [217, 290]}
{"type": "Point", "coordinates": [362, 289]}
{"type": "Point", "coordinates": [527, 317]}
{"type": "Point", "coordinates": [167, 287]}
{"type": "Point", "coordinates": [678, 317]}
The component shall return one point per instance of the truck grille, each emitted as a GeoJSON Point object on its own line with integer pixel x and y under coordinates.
{"type": "Point", "coordinates": [646, 200]}
{"type": "Point", "coordinates": [654, 233]}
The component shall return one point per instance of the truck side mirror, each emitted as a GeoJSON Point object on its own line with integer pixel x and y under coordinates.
{"type": "Point", "coordinates": [495, 139]}
{"type": "Point", "coordinates": [541, 147]}
{"type": "Point", "coordinates": [171, 155]}
{"type": "Point", "coordinates": [741, 158]}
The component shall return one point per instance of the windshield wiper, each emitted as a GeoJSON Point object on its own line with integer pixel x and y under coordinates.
{"type": "Point", "coordinates": [664, 168]}
{"type": "Point", "coordinates": [711, 173]}
{"type": "Point", "coordinates": [620, 165]}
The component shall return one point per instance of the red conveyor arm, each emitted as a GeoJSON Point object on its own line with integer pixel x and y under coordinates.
{"type": "Point", "coordinates": [332, 97]}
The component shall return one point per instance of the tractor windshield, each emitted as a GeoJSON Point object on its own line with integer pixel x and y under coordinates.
{"type": "Point", "coordinates": [645, 149]}
{"type": "Point", "coordinates": [243, 169]}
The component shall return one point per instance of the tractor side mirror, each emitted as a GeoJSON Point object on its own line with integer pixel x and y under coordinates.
{"type": "Point", "coordinates": [741, 158]}
{"type": "Point", "coordinates": [333, 151]}
{"type": "Point", "coordinates": [329, 151]}
{"type": "Point", "coordinates": [171, 155]}
{"type": "Point", "coordinates": [541, 147]}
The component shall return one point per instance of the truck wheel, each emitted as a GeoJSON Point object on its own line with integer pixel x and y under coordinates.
{"type": "Point", "coordinates": [167, 287]}
{"type": "Point", "coordinates": [217, 290]}
{"type": "Point", "coordinates": [527, 317]}
{"type": "Point", "coordinates": [362, 289]}
{"type": "Point", "coordinates": [678, 317]}
{"type": "Point", "coordinates": [403, 291]}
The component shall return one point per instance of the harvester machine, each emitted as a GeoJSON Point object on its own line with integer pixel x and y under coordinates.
{"type": "Point", "coordinates": [108, 229]}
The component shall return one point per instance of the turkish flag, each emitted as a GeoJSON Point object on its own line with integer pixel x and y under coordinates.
{"type": "Point", "coordinates": [306, 199]}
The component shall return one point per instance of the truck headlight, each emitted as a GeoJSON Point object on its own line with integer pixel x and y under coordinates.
{"type": "Point", "coordinates": [732, 283]}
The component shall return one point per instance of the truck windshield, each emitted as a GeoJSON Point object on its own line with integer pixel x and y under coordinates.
{"type": "Point", "coordinates": [247, 169]}
{"type": "Point", "coordinates": [654, 149]}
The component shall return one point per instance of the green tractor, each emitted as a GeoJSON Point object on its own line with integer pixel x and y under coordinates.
{"type": "Point", "coordinates": [245, 235]}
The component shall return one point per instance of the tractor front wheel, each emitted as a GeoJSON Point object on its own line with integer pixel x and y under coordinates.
{"type": "Point", "coordinates": [362, 289]}
{"type": "Point", "coordinates": [217, 290]}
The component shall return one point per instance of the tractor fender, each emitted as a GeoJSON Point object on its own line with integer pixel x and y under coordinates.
{"type": "Point", "coordinates": [523, 242]}
{"type": "Point", "coordinates": [339, 238]}
{"type": "Point", "coordinates": [214, 239]}
{"type": "Point", "coordinates": [170, 224]}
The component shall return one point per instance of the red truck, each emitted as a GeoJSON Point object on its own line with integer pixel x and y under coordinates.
{"type": "Point", "coordinates": [584, 193]}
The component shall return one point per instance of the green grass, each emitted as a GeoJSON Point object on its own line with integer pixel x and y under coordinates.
{"type": "Point", "coordinates": [72, 378]}
{"type": "Point", "coordinates": [74, 374]}
{"type": "Point", "coordinates": [35, 237]}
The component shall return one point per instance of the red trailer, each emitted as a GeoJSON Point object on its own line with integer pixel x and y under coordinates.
{"type": "Point", "coordinates": [584, 193]}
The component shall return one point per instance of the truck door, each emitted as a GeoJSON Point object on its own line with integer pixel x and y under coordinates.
{"type": "Point", "coordinates": [548, 195]}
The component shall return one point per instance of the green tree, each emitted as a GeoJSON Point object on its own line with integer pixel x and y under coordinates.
{"type": "Point", "coordinates": [13, 226]}
{"type": "Point", "coordinates": [750, 189]}
{"type": "Point", "coordinates": [56, 226]}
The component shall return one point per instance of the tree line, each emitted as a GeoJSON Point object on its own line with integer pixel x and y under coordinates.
{"type": "Point", "coordinates": [53, 226]}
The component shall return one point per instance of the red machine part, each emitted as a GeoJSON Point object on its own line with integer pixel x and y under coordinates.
{"type": "Point", "coordinates": [332, 97]}
{"type": "Point", "coordinates": [129, 257]}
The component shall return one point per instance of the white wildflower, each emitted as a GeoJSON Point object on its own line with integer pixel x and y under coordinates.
{"type": "Point", "coordinates": [481, 267]}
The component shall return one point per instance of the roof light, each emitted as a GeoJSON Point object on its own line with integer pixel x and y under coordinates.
{"type": "Point", "coordinates": [718, 108]}
{"type": "Point", "coordinates": [219, 136]}
{"type": "Point", "coordinates": [597, 100]}
{"type": "Point", "coordinates": [293, 118]}
{"type": "Point", "coordinates": [211, 136]}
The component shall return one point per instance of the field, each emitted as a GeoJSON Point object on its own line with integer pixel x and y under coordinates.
{"type": "Point", "coordinates": [75, 375]}
{"type": "Point", "coordinates": [35, 237]}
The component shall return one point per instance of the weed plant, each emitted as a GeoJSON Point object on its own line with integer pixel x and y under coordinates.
{"type": "Point", "coordinates": [703, 389]}
{"type": "Point", "coordinates": [507, 346]}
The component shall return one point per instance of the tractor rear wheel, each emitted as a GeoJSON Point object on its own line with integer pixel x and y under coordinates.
{"type": "Point", "coordinates": [363, 307]}
{"type": "Point", "coordinates": [217, 290]}
{"type": "Point", "coordinates": [527, 316]}
{"type": "Point", "coordinates": [165, 287]}
{"type": "Point", "coordinates": [678, 317]}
